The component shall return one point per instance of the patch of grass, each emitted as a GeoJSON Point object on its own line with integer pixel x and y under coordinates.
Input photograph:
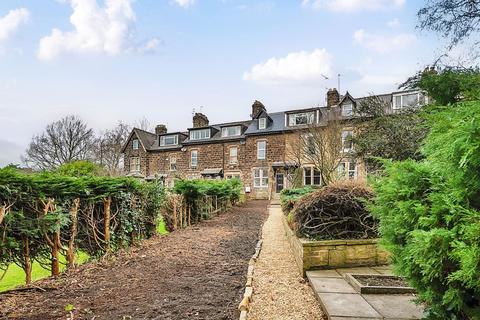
{"type": "Point", "coordinates": [15, 275]}
{"type": "Point", "coordinates": [161, 227]}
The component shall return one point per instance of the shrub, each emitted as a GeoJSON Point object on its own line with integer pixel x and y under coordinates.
{"type": "Point", "coordinates": [288, 197]}
{"type": "Point", "coordinates": [429, 215]}
{"type": "Point", "coordinates": [336, 211]}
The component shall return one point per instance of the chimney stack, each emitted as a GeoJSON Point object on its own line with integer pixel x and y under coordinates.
{"type": "Point", "coordinates": [333, 97]}
{"type": "Point", "coordinates": [257, 108]}
{"type": "Point", "coordinates": [161, 129]}
{"type": "Point", "coordinates": [200, 120]}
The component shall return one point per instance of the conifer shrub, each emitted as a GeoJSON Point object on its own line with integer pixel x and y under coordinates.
{"type": "Point", "coordinates": [429, 214]}
{"type": "Point", "coordinates": [336, 211]}
{"type": "Point", "coordinates": [288, 197]}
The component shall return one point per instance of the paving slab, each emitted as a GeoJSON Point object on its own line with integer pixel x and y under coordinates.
{"type": "Point", "coordinates": [347, 305]}
{"type": "Point", "coordinates": [395, 306]}
{"type": "Point", "coordinates": [355, 318]}
{"type": "Point", "coordinates": [337, 285]}
{"type": "Point", "coordinates": [323, 274]}
{"type": "Point", "coordinates": [386, 270]}
{"type": "Point", "coordinates": [357, 270]}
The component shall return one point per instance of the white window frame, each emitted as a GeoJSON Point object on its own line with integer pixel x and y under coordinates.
{"type": "Point", "coordinates": [200, 134]}
{"type": "Point", "coordinates": [347, 112]}
{"type": "Point", "coordinates": [226, 131]}
{"type": "Point", "coordinates": [345, 134]}
{"type": "Point", "coordinates": [402, 95]}
{"type": "Point", "coordinates": [260, 178]}
{"type": "Point", "coordinates": [262, 149]}
{"type": "Point", "coordinates": [345, 170]}
{"type": "Point", "coordinates": [135, 144]}
{"type": "Point", "coordinates": [293, 117]}
{"type": "Point", "coordinates": [193, 158]}
{"type": "Point", "coordinates": [311, 176]}
{"type": "Point", "coordinates": [262, 123]}
{"type": "Point", "coordinates": [163, 140]}
{"type": "Point", "coordinates": [309, 144]}
{"type": "Point", "coordinates": [135, 164]}
{"type": "Point", "coordinates": [173, 164]}
{"type": "Point", "coordinates": [233, 158]}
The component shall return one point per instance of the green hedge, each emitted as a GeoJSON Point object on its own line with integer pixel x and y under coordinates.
{"type": "Point", "coordinates": [39, 215]}
{"type": "Point", "coordinates": [288, 197]}
{"type": "Point", "coordinates": [429, 214]}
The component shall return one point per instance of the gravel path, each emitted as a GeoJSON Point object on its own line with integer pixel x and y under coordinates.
{"type": "Point", "coordinates": [279, 291]}
{"type": "Point", "coordinates": [198, 273]}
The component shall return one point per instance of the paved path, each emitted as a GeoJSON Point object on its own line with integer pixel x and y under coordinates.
{"type": "Point", "coordinates": [279, 291]}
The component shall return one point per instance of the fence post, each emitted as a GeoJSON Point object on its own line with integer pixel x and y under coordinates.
{"type": "Point", "coordinates": [106, 211]}
{"type": "Point", "coordinates": [73, 234]}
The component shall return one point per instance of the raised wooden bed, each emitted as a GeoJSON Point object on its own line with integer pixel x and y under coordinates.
{"type": "Point", "coordinates": [332, 254]}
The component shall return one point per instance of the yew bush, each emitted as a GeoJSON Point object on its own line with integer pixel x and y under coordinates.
{"type": "Point", "coordinates": [429, 214]}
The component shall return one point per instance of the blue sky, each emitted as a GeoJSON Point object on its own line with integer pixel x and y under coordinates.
{"type": "Point", "coordinates": [121, 60]}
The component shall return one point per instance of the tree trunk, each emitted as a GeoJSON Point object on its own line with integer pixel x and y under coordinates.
{"type": "Point", "coordinates": [73, 234]}
{"type": "Point", "coordinates": [55, 254]}
{"type": "Point", "coordinates": [106, 211]}
{"type": "Point", "coordinates": [3, 209]}
{"type": "Point", "coordinates": [189, 215]}
{"type": "Point", "coordinates": [27, 268]}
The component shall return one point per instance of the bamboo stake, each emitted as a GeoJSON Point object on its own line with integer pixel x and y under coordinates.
{"type": "Point", "coordinates": [174, 214]}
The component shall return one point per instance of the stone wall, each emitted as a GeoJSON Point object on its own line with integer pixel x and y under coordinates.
{"type": "Point", "coordinates": [331, 254]}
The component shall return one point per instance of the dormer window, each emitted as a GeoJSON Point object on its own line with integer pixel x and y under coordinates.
{"type": "Point", "coordinates": [200, 134]}
{"type": "Point", "coordinates": [302, 118]}
{"type": "Point", "coordinates": [406, 100]}
{"type": "Point", "coordinates": [347, 109]}
{"type": "Point", "coordinates": [231, 131]}
{"type": "Point", "coordinates": [262, 123]}
{"type": "Point", "coordinates": [135, 144]}
{"type": "Point", "coordinates": [171, 140]}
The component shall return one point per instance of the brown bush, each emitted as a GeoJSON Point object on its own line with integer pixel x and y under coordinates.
{"type": "Point", "coordinates": [337, 211]}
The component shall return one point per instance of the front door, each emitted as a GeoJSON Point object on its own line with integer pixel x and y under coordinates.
{"type": "Point", "coordinates": [279, 182]}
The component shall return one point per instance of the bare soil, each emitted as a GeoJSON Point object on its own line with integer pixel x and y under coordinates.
{"type": "Point", "coordinates": [196, 273]}
{"type": "Point", "coordinates": [381, 281]}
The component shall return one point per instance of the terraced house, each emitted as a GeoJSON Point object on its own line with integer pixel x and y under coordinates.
{"type": "Point", "coordinates": [254, 150]}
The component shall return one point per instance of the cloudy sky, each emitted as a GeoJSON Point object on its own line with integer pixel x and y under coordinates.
{"type": "Point", "coordinates": [111, 60]}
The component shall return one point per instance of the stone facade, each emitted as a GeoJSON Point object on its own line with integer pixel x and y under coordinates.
{"type": "Point", "coordinates": [260, 146]}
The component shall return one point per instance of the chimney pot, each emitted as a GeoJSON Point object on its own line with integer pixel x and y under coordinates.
{"type": "Point", "coordinates": [333, 97]}
{"type": "Point", "coordinates": [200, 120]}
{"type": "Point", "coordinates": [161, 129]}
{"type": "Point", "coordinates": [257, 108]}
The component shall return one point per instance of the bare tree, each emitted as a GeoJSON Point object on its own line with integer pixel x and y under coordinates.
{"type": "Point", "coordinates": [318, 145]}
{"type": "Point", "coordinates": [456, 20]}
{"type": "Point", "coordinates": [323, 148]}
{"type": "Point", "coordinates": [63, 141]}
{"type": "Point", "coordinates": [109, 148]}
{"type": "Point", "coordinates": [144, 124]}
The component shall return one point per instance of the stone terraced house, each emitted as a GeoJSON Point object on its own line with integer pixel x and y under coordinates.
{"type": "Point", "coordinates": [254, 150]}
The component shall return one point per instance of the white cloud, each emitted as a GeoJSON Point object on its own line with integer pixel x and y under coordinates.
{"type": "Point", "coordinates": [393, 23]}
{"type": "Point", "coordinates": [185, 3]}
{"type": "Point", "coordinates": [353, 5]}
{"type": "Point", "coordinates": [10, 22]}
{"type": "Point", "coordinates": [300, 66]}
{"type": "Point", "coordinates": [96, 30]}
{"type": "Point", "coordinates": [149, 46]}
{"type": "Point", "coordinates": [383, 44]}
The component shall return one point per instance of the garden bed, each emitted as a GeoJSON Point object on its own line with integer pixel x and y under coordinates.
{"type": "Point", "coordinates": [378, 284]}
{"type": "Point", "coordinates": [194, 273]}
{"type": "Point", "coordinates": [331, 254]}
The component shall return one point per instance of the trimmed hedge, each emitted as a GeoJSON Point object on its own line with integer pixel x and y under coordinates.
{"type": "Point", "coordinates": [288, 197]}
